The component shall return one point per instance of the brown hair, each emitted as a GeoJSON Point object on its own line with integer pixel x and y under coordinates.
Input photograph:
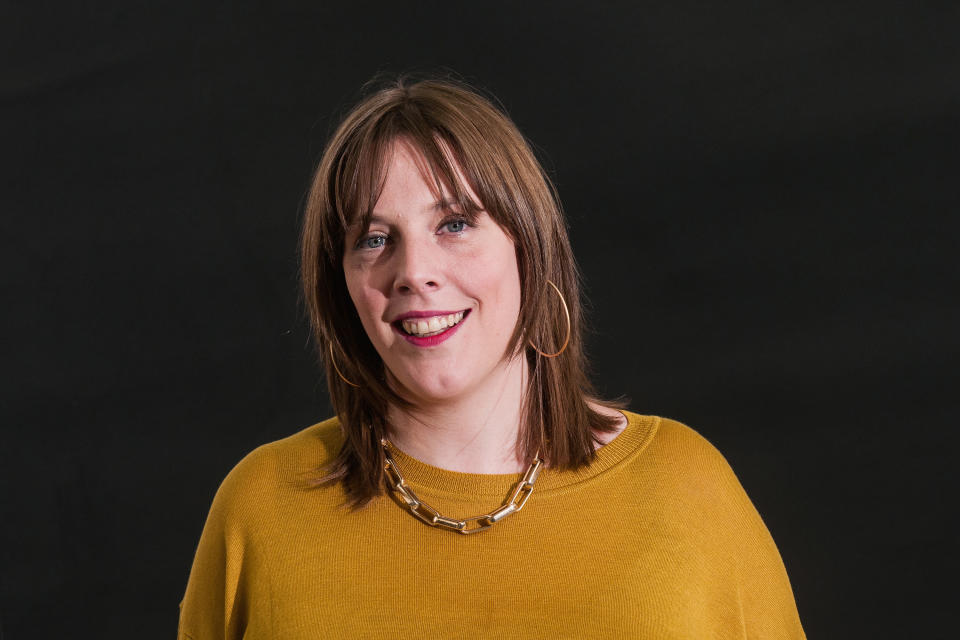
{"type": "Point", "coordinates": [452, 127]}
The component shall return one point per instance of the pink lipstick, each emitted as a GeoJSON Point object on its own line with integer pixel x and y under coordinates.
{"type": "Point", "coordinates": [407, 326]}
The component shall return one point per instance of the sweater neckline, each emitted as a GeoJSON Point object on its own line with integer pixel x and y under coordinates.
{"type": "Point", "coordinates": [437, 481]}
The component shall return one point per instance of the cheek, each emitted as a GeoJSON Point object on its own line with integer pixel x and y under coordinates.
{"type": "Point", "coordinates": [497, 280]}
{"type": "Point", "coordinates": [366, 300]}
{"type": "Point", "coordinates": [355, 289]}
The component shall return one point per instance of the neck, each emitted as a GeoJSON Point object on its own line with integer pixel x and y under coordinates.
{"type": "Point", "coordinates": [473, 433]}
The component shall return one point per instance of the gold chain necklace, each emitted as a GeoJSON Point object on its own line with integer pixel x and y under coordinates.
{"type": "Point", "coordinates": [518, 497]}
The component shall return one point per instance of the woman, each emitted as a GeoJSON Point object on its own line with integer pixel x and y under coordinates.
{"type": "Point", "coordinates": [444, 300]}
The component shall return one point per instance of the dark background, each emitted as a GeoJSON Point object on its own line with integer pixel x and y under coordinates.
{"type": "Point", "coordinates": [762, 197]}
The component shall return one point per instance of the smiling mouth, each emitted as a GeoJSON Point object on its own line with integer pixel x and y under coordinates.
{"type": "Point", "coordinates": [432, 326]}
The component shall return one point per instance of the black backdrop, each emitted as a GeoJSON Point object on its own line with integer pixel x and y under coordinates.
{"type": "Point", "coordinates": [762, 197]}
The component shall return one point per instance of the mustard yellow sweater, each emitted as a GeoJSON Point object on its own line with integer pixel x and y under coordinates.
{"type": "Point", "coordinates": [656, 539]}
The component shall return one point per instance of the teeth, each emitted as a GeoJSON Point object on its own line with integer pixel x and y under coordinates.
{"type": "Point", "coordinates": [431, 326]}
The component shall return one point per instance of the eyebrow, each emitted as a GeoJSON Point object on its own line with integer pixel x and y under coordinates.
{"type": "Point", "coordinates": [445, 203]}
{"type": "Point", "coordinates": [440, 205]}
{"type": "Point", "coordinates": [357, 227]}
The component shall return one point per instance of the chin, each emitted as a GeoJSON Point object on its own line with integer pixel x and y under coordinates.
{"type": "Point", "coordinates": [431, 389]}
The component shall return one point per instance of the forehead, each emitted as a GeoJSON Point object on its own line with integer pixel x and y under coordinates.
{"type": "Point", "coordinates": [405, 168]}
{"type": "Point", "coordinates": [431, 176]}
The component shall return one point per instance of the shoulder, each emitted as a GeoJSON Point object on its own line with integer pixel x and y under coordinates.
{"type": "Point", "coordinates": [310, 448]}
{"type": "Point", "coordinates": [682, 461]}
{"type": "Point", "coordinates": [272, 469]}
{"type": "Point", "coordinates": [249, 517]}
{"type": "Point", "coordinates": [688, 484]}
{"type": "Point", "coordinates": [307, 449]}
{"type": "Point", "coordinates": [684, 491]}
{"type": "Point", "coordinates": [684, 444]}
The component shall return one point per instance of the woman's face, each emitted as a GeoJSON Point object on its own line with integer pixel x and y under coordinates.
{"type": "Point", "coordinates": [438, 296]}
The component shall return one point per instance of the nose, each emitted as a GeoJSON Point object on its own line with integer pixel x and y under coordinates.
{"type": "Point", "coordinates": [418, 268]}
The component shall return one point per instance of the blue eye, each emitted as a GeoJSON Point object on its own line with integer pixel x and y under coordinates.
{"type": "Point", "coordinates": [455, 226]}
{"type": "Point", "coordinates": [372, 242]}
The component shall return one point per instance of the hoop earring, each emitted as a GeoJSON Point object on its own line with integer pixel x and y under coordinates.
{"type": "Point", "coordinates": [566, 312]}
{"type": "Point", "coordinates": [337, 369]}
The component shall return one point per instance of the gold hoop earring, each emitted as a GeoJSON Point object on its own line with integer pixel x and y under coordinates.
{"type": "Point", "coordinates": [337, 369]}
{"type": "Point", "coordinates": [566, 312]}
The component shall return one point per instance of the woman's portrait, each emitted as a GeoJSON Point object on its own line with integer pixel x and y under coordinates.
{"type": "Point", "coordinates": [436, 264]}
{"type": "Point", "coordinates": [520, 321]}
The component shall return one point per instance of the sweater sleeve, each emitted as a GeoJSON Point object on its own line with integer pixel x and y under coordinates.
{"type": "Point", "coordinates": [750, 594]}
{"type": "Point", "coordinates": [767, 605]}
{"type": "Point", "coordinates": [228, 592]}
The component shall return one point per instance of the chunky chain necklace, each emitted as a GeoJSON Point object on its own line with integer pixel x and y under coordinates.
{"type": "Point", "coordinates": [518, 497]}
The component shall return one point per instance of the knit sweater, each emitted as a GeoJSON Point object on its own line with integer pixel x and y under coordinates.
{"type": "Point", "coordinates": [655, 539]}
